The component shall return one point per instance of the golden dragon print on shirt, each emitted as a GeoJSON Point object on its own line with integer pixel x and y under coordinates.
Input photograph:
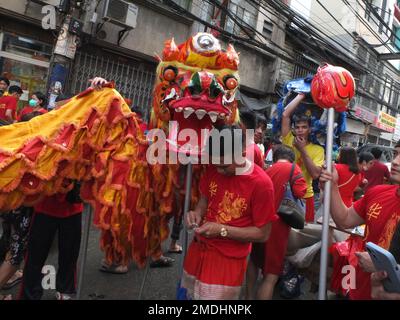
{"type": "Point", "coordinates": [213, 187]}
{"type": "Point", "coordinates": [230, 208]}
{"type": "Point", "coordinates": [388, 231]}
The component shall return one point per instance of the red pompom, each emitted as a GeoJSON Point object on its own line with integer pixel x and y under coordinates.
{"type": "Point", "coordinates": [333, 87]}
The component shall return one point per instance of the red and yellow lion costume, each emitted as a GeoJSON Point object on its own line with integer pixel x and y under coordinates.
{"type": "Point", "coordinates": [96, 139]}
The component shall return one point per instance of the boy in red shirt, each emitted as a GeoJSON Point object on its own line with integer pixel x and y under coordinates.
{"type": "Point", "coordinates": [234, 210]}
{"type": "Point", "coordinates": [270, 256]}
{"type": "Point", "coordinates": [379, 210]}
{"type": "Point", "coordinates": [8, 104]}
{"type": "Point", "coordinates": [248, 121]}
{"type": "Point", "coordinates": [379, 173]}
{"type": "Point", "coordinates": [52, 214]}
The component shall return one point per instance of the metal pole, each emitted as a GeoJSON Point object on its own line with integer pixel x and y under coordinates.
{"type": "Point", "coordinates": [185, 210]}
{"type": "Point", "coordinates": [327, 203]}
{"type": "Point", "coordinates": [146, 273]}
{"type": "Point", "coordinates": [87, 213]}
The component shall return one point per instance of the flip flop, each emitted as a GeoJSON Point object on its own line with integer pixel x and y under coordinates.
{"type": "Point", "coordinates": [15, 279]}
{"type": "Point", "coordinates": [163, 262]}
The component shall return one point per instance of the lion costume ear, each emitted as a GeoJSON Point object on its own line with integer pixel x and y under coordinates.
{"type": "Point", "coordinates": [171, 51]}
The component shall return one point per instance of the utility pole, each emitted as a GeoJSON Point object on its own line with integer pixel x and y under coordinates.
{"type": "Point", "coordinates": [64, 51]}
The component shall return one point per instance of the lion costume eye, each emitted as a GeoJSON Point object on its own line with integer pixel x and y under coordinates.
{"type": "Point", "coordinates": [230, 82]}
{"type": "Point", "coordinates": [170, 73]}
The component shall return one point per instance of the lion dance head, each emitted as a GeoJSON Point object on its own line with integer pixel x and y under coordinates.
{"type": "Point", "coordinates": [196, 84]}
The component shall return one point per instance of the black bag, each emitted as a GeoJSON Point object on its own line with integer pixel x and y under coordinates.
{"type": "Point", "coordinates": [291, 210]}
{"type": "Point", "coordinates": [74, 196]}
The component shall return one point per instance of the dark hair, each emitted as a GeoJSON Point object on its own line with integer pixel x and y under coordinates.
{"type": "Point", "coordinates": [15, 89]}
{"type": "Point", "coordinates": [377, 153]}
{"type": "Point", "coordinates": [248, 120]}
{"type": "Point", "coordinates": [365, 156]}
{"type": "Point", "coordinates": [235, 132]}
{"type": "Point", "coordinates": [42, 97]}
{"type": "Point", "coordinates": [348, 155]}
{"type": "Point", "coordinates": [261, 120]}
{"type": "Point", "coordinates": [301, 118]}
{"type": "Point", "coordinates": [5, 80]}
{"type": "Point", "coordinates": [29, 116]}
{"type": "Point", "coordinates": [283, 153]}
{"type": "Point", "coordinates": [137, 111]}
{"type": "Point", "coordinates": [276, 141]}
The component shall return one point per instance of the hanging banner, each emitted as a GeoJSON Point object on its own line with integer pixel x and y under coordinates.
{"type": "Point", "coordinates": [364, 114]}
{"type": "Point", "coordinates": [385, 122]}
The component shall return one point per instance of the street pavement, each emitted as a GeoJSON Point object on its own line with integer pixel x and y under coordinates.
{"type": "Point", "coordinates": [161, 283]}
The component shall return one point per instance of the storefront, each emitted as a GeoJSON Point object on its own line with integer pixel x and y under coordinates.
{"type": "Point", "coordinates": [359, 129]}
{"type": "Point", "coordinates": [355, 133]}
{"type": "Point", "coordinates": [25, 62]}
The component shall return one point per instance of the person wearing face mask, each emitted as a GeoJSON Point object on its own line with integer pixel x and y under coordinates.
{"type": "Point", "coordinates": [37, 105]}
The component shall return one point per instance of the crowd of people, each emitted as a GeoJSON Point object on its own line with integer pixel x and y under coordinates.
{"type": "Point", "coordinates": [238, 231]}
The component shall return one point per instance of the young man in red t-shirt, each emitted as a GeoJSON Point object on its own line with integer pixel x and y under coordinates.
{"type": "Point", "coordinates": [270, 256]}
{"type": "Point", "coordinates": [379, 173]}
{"type": "Point", "coordinates": [57, 213]}
{"type": "Point", "coordinates": [235, 209]}
{"type": "Point", "coordinates": [8, 104]}
{"type": "Point", "coordinates": [379, 210]}
{"type": "Point", "coordinates": [248, 121]}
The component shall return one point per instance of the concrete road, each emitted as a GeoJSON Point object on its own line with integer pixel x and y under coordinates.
{"type": "Point", "coordinates": [161, 283]}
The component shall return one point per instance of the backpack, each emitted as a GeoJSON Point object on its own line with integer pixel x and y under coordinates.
{"type": "Point", "coordinates": [291, 209]}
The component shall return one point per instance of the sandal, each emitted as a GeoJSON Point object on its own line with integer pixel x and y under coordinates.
{"type": "Point", "coordinates": [113, 269]}
{"type": "Point", "coordinates": [14, 280]}
{"type": "Point", "coordinates": [163, 262]}
{"type": "Point", "coordinates": [5, 298]}
{"type": "Point", "coordinates": [178, 251]}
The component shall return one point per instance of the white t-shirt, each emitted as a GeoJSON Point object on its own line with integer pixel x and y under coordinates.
{"type": "Point", "coordinates": [269, 158]}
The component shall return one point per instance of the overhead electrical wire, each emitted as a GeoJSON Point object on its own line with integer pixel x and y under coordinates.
{"type": "Point", "coordinates": [288, 13]}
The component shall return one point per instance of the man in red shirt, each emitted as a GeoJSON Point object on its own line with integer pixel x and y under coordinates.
{"type": "Point", "coordinates": [379, 173]}
{"type": "Point", "coordinates": [270, 256]}
{"type": "Point", "coordinates": [57, 213]}
{"type": "Point", "coordinates": [8, 104]}
{"type": "Point", "coordinates": [234, 210]}
{"type": "Point", "coordinates": [248, 121]}
{"type": "Point", "coordinates": [379, 210]}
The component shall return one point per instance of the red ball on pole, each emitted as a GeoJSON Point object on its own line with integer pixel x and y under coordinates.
{"type": "Point", "coordinates": [333, 87]}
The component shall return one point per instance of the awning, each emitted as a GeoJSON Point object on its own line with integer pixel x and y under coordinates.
{"type": "Point", "coordinates": [252, 103]}
{"type": "Point", "coordinates": [355, 126]}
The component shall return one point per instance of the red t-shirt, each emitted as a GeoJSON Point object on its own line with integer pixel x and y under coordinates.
{"type": "Point", "coordinates": [376, 174]}
{"type": "Point", "coordinates": [255, 151]}
{"type": "Point", "coordinates": [348, 182]}
{"type": "Point", "coordinates": [237, 201]}
{"type": "Point", "coordinates": [57, 206]}
{"type": "Point", "coordinates": [279, 173]}
{"type": "Point", "coordinates": [380, 208]}
{"type": "Point", "coordinates": [8, 103]}
{"type": "Point", "coordinates": [28, 110]}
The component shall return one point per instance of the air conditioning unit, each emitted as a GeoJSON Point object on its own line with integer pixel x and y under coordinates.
{"type": "Point", "coordinates": [55, 3]}
{"type": "Point", "coordinates": [121, 13]}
